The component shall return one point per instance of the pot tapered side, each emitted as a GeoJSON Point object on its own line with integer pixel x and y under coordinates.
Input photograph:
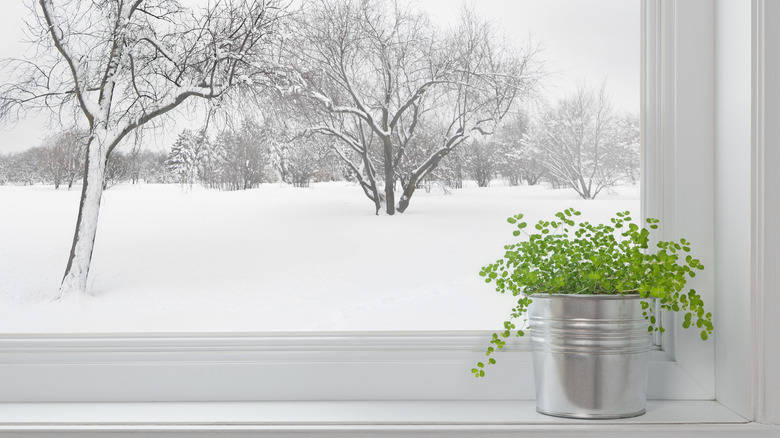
{"type": "Point", "coordinates": [590, 354]}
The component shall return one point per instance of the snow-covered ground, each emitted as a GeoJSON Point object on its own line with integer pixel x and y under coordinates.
{"type": "Point", "coordinates": [271, 259]}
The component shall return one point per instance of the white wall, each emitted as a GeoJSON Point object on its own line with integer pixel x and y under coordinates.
{"type": "Point", "coordinates": [732, 202]}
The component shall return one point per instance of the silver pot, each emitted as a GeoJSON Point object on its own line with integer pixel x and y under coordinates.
{"type": "Point", "coordinates": [590, 355]}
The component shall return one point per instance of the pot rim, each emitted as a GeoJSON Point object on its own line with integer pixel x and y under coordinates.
{"type": "Point", "coordinates": [586, 296]}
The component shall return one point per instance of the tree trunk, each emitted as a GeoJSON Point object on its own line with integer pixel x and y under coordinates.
{"type": "Point", "coordinates": [75, 279]}
{"type": "Point", "coordinates": [419, 175]}
{"type": "Point", "coordinates": [407, 194]}
{"type": "Point", "coordinates": [389, 176]}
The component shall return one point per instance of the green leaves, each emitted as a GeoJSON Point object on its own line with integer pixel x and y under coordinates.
{"type": "Point", "coordinates": [596, 259]}
{"type": "Point", "coordinates": [479, 372]}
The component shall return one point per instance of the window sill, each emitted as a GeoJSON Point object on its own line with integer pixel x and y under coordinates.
{"type": "Point", "coordinates": [334, 418]}
{"type": "Point", "coordinates": [276, 367]}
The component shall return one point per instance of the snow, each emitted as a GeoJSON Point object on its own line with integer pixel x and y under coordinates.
{"type": "Point", "coordinates": [276, 258]}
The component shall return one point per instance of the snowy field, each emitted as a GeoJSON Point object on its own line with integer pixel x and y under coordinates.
{"type": "Point", "coordinates": [269, 259]}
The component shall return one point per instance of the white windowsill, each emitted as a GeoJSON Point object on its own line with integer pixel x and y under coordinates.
{"type": "Point", "coordinates": [402, 418]}
{"type": "Point", "coordinates": [340, 413]}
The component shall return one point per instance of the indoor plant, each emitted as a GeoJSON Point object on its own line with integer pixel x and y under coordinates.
{"type": "Point", "coordinates": [594, 290]}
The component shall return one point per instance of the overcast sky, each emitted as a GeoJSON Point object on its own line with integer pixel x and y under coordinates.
{"type": "Point", "coordinates": [583, 41]}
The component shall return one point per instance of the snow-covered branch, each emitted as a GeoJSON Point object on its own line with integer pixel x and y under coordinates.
{"type": "Point", "coordinates": [77, 69]}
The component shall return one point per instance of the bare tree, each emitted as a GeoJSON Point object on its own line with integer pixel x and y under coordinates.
{"type": "Point", "coordinates": [118, 170]}
{"type": "Point", "coordinates": [207, 161]}
{"type": "Point", "coordinates": [28, 167]}
{"type": "Point", "coordinates": [627, 153]}
{"type": "Point", "coordinates": [451, 169]}
{"type": "Point", "coordinates": [297, 157]}
{"type": "Point", "coordinates": [242, 155]}
{"type": "Point", "coordinates": [514, 160]}
{"type": "Point", "coordinates": [5, 169]}
{"type": "Point", "coordinates": [583, 144]}
{"type": "Point", "coordinates": [147, 166]}
{"type": "Point", "coordinates": [306, 160]}
{"type": "Point", "coordinates": [64, 156]}
{"type": "Point", "coordinates": [58, 160]}
{"type": "Point", "coordinates": [53, 162]}
{"type": "Point", "coordinates": [376, 70]}
{"type": "Point", "coordinates": [532, 167]}
{"type": "Point", "coordinates": [481, 160]}
{"type": "Point", "coordinates": [124, 64]}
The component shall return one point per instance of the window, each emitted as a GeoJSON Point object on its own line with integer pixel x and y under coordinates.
{"type": "Point", "coordinates": [188, 257]}
{"type": "Point", "coordinates": [428, 365]}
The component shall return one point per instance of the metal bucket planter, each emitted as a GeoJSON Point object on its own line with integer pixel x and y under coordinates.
{"type": "Point", "coordinates": [590, 355]}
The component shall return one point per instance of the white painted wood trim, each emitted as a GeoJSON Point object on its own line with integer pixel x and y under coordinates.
{"type": "Point", "coordinates": [678, 153]}
{"type": "Point", "coordinates": [690, 196]}
{"type": "Point", "coordinates": [416, 366]}
{"type": "Point", "coordinates": [340, 412]}
{"type": "Point", "coordinates": [657, 121]}
{"type": "Point", "coordinates": [732, 239]}
{"type": "Point", "coordinates": [34, 348]}
{"type": "Point", "coordinates": [652, 104]}
{"type": "Point", "coordinates": [765, 302]}
{"type": "Point", "coordinates": [414, 431]}
{"type": "Point", "coordinates": [252, 367]}
{"type": "Point", "coordinates": [330, 419]}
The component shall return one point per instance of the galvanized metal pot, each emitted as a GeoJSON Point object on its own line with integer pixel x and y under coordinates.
{"type": "Point", "coordinates": [590, 355]}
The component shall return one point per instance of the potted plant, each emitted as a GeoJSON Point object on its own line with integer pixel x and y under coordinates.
{"type": "Point", "coordinates": [589, 293]}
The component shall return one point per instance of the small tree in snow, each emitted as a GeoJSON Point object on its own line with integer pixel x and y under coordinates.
{"type": "Point", "coordinates": [583, 144]}
{"type": "Point", "coordinates": [299, 158]}
{"type": "Point", "coordinates": [64, 157]}
{"type": "Point", "coordinates": [5, 169]}
{"type": "Point", "coordinates": [147, 166]}
{"type": "Point", "coordinates": [451, 170]}
{"type": "Point", "coordinates": [306, 159]}
{"type": "Point", "coordinates": [118, 170]}
{"type": "Point", "coordinates": [241, 156]}
{"type": "Point", "coordinates": [29, 167]}
{"type": "Point", "coordinates": [514, 159]}
{"type": "Point", "coordinates": [185, 156]}
{"type": "Point", "coordinates": [481, 160]}
{"type": "Point", "coordinates": [628, 145]}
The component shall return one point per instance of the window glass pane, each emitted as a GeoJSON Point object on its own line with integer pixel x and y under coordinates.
{"type": "Point", "coordinates": [273, 216]}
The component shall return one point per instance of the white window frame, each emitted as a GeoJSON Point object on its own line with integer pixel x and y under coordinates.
{"type": "Point", "coordinates": [764, 396]}
{"type": "Point", "coordinates": [678, 133]}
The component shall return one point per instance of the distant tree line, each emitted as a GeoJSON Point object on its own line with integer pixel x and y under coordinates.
{"type": "Point", "coordinates": [60, 161]}
{"type": "Point", "coordinates": [243, 157]}
{"type": "Point", "coordinates": [580, 142]}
